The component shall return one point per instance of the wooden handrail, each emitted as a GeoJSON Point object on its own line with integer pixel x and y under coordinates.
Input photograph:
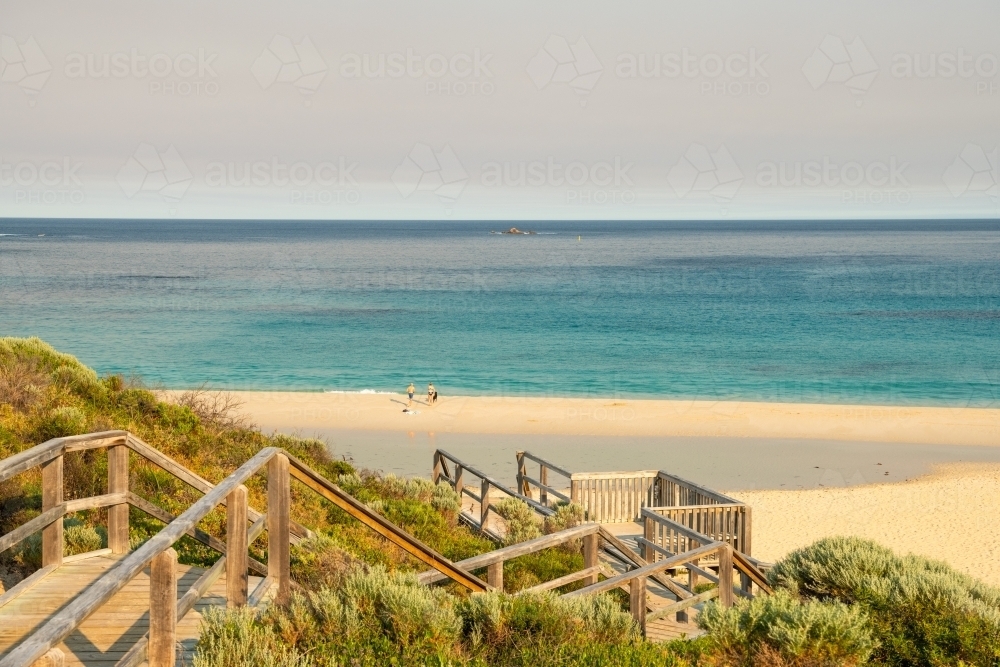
{"type": "Point", "coordinates": [384, 527]}
{"type": "Point", "coordinates": [614, 474]}
{"type": "Point", "coordinates": [555, 492]}
{"type": "Point", "coordinates": [690, 533]}
{"type": "Point", "coordinates": [50, 449]}
{"type": "Point", "coordinates": [551, 466]}
{"type": "Point", "coordinates": [69, 617]}
{"type": "Point", "coordinates": [60, 625]}
{"type": "Point", "coordinates": [515, 550]}
{"type": "Point", "coordinates": [723, 499]}
{"type": "Point", "coordinates": [196, 482]}
{"type": "Point", "coordinates": [681, 605]}
{"type": "Point", "coordinates": [744, 565]}
{"type": "Point", "coordinates": [486, 482]}
{"type": "Point", "coordinates": [652, 568]}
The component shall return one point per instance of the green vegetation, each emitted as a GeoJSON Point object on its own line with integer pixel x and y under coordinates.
{"type": "Point", "coordinates": [46, 394]}
{"type": "Point", "coordinates": [841, 601]}
{"type": "Point", "coordinates": [380, 618]}
{"type": "Point", "coordinates": [785, 630]}
{"type": "Point", "coordinates": [921, 612]}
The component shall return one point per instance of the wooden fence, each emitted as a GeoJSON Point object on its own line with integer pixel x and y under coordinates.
{"type": "Point", "coordinates": [157, 552]}
{"type": "Point", "coordinates": [620, 497]}
{"type": "Point", "coordinates": [640, 574]}
{"type": "Point", "coordinates": [674, 528]}
{"type": "Point", "coordinates": [469, 482]}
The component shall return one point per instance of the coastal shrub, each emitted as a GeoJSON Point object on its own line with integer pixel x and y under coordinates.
{"type": "Point", "coordinates": [80, 380]}
{"type": "Point", "coordinates": [318, 562]}
{"type": "Point", "coordinates": [782, 629]}
{"type": "Point", "coordinates": [921, 612]}
{"type": "Point", "coordinates": [78, 538]}
{"type": "Point", "coordinates": [218, 409]}
{"type": "Point", "coordinates": [566, 515]}
{"type": "Point", "coordinates": [377, 617]}
{"type": "Point", "coordinates": [22, 382]}
{"type": "Point", "coordinates": [61, 422]}
{"type": "Point", "coordinates": [532, 569]}
{"type": "Point", "coordinates": [236, 638]}
{"type": "Point", "coordinates": [522, 525]}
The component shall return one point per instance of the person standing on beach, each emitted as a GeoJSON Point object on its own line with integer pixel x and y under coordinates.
{"type": "Point", "coordinates": [409, 392]}
{"type": "Point", "coordinates": [432, 394]}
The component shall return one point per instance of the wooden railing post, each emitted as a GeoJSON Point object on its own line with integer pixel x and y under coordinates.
{"type": "Point", "coordinates": [543, 477]}
{"type": "Point", "coordinates": [52, 496]}
{"type": "Point", "coordinates": [494, 575]}
{"type": "Point", "coordinates": [522, 471]}
{"type": "Point", "coordinates": [459, 482]}
{"type": "Point", "coordinates": [436, 469]}
{"type": "Point", "coordinates": [118, 514]}
{"type": "Point", "coordinates": [484, 503]}
{"type": "Point", "coordinates": [726, 575]}
{"type": "Point", "coordinates": [590, 545]}
{"type": "Point", "coordinates": [637, 601]}
{"type": "Point", "coordinates": [237, 582]}
{"type": "Point", "coordinates": [649, 532]}
{"type": "Point", "coordinates": [278, 502]}
{"type": "Point", "coordinates": [682, 616]}
{"type": "Point", "coordinates": [161, 650]}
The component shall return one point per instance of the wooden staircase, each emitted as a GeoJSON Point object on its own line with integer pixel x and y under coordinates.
{"type": "Point", "coordinates": [126, 608]}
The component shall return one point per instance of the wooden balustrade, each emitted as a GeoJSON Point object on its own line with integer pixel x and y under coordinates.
{"type": "Point", "coordinates": [459, 481]}
{"type": "Point", "coordinates": [495, 559]}
{"type": "Point", "coordinates": [673, 528]}
{"type": "Point", "coordinates": [157, 552]}
{"type": "Point", "coordinates": [526, 482]}
{"type": "Point", "coordinates": [673, 491]}
{"type": "Point", "coordinates": [615, 497]}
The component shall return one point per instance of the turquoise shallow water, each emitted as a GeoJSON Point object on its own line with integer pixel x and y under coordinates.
{"type": "Point", "coordinates": [889, 312]}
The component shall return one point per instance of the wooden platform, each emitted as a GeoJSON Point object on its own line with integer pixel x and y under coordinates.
{"type": "Point", "coordinates": [113, 629]}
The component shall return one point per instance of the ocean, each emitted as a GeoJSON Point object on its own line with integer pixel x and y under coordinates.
{"type": "Point", "coordinates": [832, 312]}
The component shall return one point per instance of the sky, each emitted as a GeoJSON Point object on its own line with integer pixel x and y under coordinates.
{"type": "Point", "coordinates": [508, 111]}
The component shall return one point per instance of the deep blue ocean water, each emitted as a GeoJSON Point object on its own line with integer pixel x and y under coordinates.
{"type": "Point", "coordinates": [888, 312]}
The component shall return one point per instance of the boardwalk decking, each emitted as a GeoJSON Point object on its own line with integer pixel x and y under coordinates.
{"type": "Point", "coordinates": [113, 629]}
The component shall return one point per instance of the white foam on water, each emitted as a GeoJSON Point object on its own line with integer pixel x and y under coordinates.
{"type": "Point", "coordinates": [362, 391]}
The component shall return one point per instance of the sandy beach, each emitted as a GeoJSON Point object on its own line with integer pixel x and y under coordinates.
{"type": "Point", "coordinates": [305, 412]}
{"type": "Point", "coordinates": [913, 478]}
{"type": "Point", "coordinates": [943, 515]}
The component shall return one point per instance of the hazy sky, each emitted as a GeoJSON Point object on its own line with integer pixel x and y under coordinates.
{"type": "Point", "coordinates": [553, 109]}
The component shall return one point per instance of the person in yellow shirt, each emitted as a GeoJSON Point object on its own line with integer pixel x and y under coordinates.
{"type": "Point", "coordinates": [409, 392]}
